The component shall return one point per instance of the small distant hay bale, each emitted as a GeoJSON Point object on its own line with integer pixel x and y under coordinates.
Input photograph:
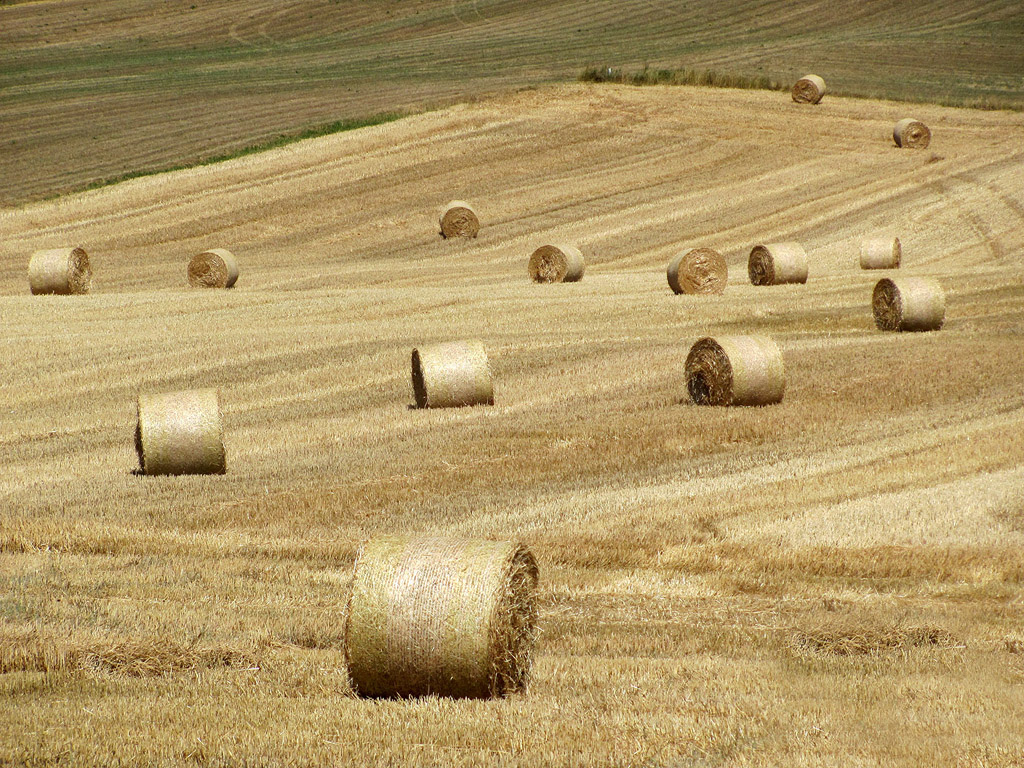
{"type": "Point", "coordinates": [556, 264]}
{"type": "Point", "coordinates": [777, 263]}
{"type": "Point", "coordinates": [881, 253]}
{"type": "Point", "coordinates": [179, 433]}
{"type": "Point", "coordinates": [735, 370]}
{"type": "Point", "coordinates": [908, 304]}
{"type": "Point", "coordinates": [216, 268]}
{"type": "Point", "coordinates": [452, 374]}
{"type": "Point", "coordinates": [64, 271]}
{"type": "Point", "coordinates": [441, 616]}
{"type": "Point", "coordinates": [458, 219]}
{"type": "Point", "coordinates": [698, 270]}
{"type": "Point", "coordinates": [808, 89]}
{"type": "Point", "coordinates": [911, 133]}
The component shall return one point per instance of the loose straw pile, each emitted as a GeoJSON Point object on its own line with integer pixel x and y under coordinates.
{"type": "Point", "coordinates": [911, 133]}
{"type": "Point", "coordinates": [881, 253]}
{"type": "Point", "coordinates": [908, 304]}
{"type": "Point", "coordinates": [458, 219]}
{"type": "Point", "coordinates": [556, 264]}
{"type": "Point", "coordinates": [698, 270]}
{"type": "Point", "coordinates": [216, 268]}
{"type": "Point", "coordinates": [179, 433]}
{"type": "Point", "coordinates": [452, 374]}
{"type": "Point", "coordinates": [735, 370]}
{"type": "Point", "coordinates": [808, 89]}
{"type": "Point", "coordinates": [448, 617]}
{"type": "Point", "coordinates": [62, 271]}
{"type": "Point", "coordinates": [777, 263]}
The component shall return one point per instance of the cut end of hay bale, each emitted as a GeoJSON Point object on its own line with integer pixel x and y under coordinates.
{"type": "Point", "coordinates": [441, 616]}
{"type": "Point", "coordinates": [458, 219]}
{"type": "Point", "coordinates": [908, 304]}
{"type": "Point", "coordinates": [179, 433]}
{"type": "Point", "coordinates": [911, 133]}
{"type": "Point", "coordinates": [216, 268]}
{"type": "Point", "coordinates": [881, 253]}
{"type": "Point", "coordinates": [777, 263]}
{"type": "Point", "coordinates": [698, 270]}
{"type": "Point", "coordinates": [63, 271]}
{"type": "Point", "coordinates": [451, 375]}
{"type": "Point", "coordinates": [735, 370]}
{"type": "Point", "coordinates": [556, 264]}
{"type": "Point", "coordinates": [809, 89]}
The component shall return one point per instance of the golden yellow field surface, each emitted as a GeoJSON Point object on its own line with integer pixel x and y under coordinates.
{"type": "Point", "coordinates": [834, 580]}
{"type": "Point", "coordinates": [93, 89]}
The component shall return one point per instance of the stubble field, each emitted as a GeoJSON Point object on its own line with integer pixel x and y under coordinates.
{"type": "Point", "coordinates": [835, 580]}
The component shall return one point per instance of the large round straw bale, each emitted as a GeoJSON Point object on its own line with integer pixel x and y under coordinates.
{"type": "Point", "coordinates": [808, 89]}
{"type": "Point", "coordinates": [777, 263]}
{"type": "Point", "coordinates": [556, 264]}
{"type": "Point", "coordinates": [911, 133]}
{"type": "Point", "coordinates": [216, 268]}
{"type": "Point", "coordinates": [698, 270]}
{"type": "Point", "coordinates": [452, 374]}
{"type": "Point", "coordinates": [441, 616]}
{"type": "Point", "coordinates": [61, 270]}
{"type": "Point", "coordinates": [458, 219]}
{"type": "Point", "coordinates": [908, 304]}
{"type": "Point", "coordinates": [179, 433]}
{"type": "Point", "coordinates": [880, 253]}
{"type": "Point", "coordinates": [735, 370]}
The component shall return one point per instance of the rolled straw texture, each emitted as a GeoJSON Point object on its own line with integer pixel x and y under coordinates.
{"type": "Point", "coordinates": [777, 263]}
{"type": "Point", "coordinates": [64, 271]}
{"type": "Point", "coordinates": [458, 219]}
{"type": "Point", "coordinates": [452, 374]}
{"type": "Point", "coordinates": [881, 253]}
{"type": "Point", "coordinates": [698, 270]}
{"type": "Point", "coordinates": [179, 433]}
{"type": "Point", "coordinates": [908, 304]}
{"type": "Point", "coordinates": [808, 89]}
{"type": "Point", "coordinates": [735, 370]}
{"type": "Point", "coordinates": [556, 264]}
{"type": "Point", "coordinates": [441, 616]}
{"type": "Point", "coordinates": [216, 268]}
{"type": "Point", "coordinates": [911, 133]}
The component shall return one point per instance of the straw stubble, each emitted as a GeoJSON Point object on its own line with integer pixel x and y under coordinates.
{"type": "Point", "coordinates": [179, 433]}
{"type": "Point", "coordinates": [735, 370]}
{"type": "Point", "coordinates": [441, 616]}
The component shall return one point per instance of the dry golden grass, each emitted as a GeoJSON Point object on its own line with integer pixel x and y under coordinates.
{"type": "Point", "coordinates": [835, 580]}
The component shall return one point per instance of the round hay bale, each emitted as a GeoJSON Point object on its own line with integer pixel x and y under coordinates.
{"type": "Point", "coordinates": [808, 89]}
{"type": "Point", "coordinates": [216, 268]}
{"type": "Point", "coordinates": [698, 270]}
{"type": "Point", "coordinates": [63, 271]}
{"type": "Point", "coordinates": [735, 370]}
{"type": "Point", "coordinates": [911, 133]}
{"type": "Point", "coordinates": [881, 253]}
{"type": "Point", "coordinates": [452, 374]}
{"type": "Point", "coordinates": [908, 304]}
{"type": "Point", "coordinates": [777, 263]}
{"type": "Point", "coordinates": [458, 219]}
{"type": "Point", "coordinates": [556, 264]}
{"type": "Point", "coordinates": [441, 616]}
{"type": "Point", "coordinates": [179, 433]}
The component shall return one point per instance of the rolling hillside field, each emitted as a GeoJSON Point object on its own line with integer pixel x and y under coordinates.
{"type": "Point", "coordinates": [833, 580]}
{"type": "Point", "coordinates": [96, 89]}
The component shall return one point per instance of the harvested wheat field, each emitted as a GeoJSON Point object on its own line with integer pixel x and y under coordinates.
{"type": "Point", "coordinates": [835, 579]}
